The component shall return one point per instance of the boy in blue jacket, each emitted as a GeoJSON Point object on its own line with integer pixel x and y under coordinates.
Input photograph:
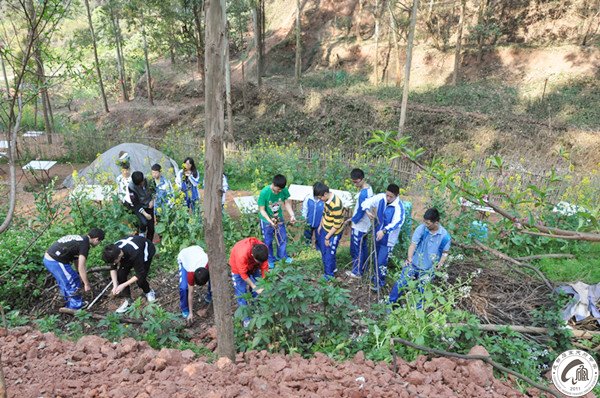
{"type": "Point", "coordinates": [312, 212]}
{"type": "Point", "coordinates": [389, 216]}
{"type": "Point", "coordinates": [360, 225]}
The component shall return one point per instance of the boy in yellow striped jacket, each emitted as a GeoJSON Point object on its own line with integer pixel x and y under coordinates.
{"type": "Point", "coordinates": [331, 228]}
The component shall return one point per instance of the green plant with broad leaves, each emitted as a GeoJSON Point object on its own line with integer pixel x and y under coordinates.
{"type": "Point", "coordinates": [294, 312]}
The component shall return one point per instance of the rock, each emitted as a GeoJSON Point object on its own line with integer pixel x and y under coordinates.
{"type": "Point", "coordinates": [415, 378]}
{"type": "Point", "coordinates": [223, 363]}
{"type": "Point", "coordinates": [171, 357]}
{"type": "Point", "coordinates": [90, 344]}
{"type": "Point", "coordinates": [480, 372]}
{"type": "Point", "coordinates": [277, 364]}
{"type": "Point", "coordinates": [187, 355]}
{"type": "Point", "coordinates": [359, 358]}
{"type": "Point", "coordinates": [160, 364]}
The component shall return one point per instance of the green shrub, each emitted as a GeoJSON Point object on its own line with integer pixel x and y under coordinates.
{"type": "Point", "coordinates": [294, 312]}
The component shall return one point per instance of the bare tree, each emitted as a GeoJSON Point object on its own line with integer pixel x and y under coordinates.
{"type": "Point", "coordinates": [41, 75]}
{"type": "Point", "coordinates": [119, 50]}
{"type": "Point", "coordinates": [228, 88]}
{"type": "Point", "coordinates": [394, 29]}
{"type": "Point", "coordinates": [298, 65]}
{"type": "Point", "coordinates": [259, 26]}
{"type": "Point", "coordinates": [216, 49]}
{"type": "Point", "coordinates": [463, 5]}
{"type": "Point", "coordinates": [197, 7]}
{"type": "Point", "coordinates": [96, 62]}
{"type": "Point", "coordinates": [409, 48]}
{"type": "Point", "coordinates": [146, 61]}
{"type": "Point", "coordinates": [4, 71]}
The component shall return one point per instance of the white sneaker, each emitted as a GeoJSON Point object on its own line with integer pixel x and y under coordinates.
{"type": "Point", "coordinates": [352, 275]}
{"type": "Point", "coordinates": [151, 296]}
{"type": "Point", "coordinates": [123, 308]}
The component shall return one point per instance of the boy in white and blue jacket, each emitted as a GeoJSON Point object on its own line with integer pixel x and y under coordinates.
{"type": "Point", "coordinates": [360, 225]}
{"type": "Point", "coordinates": [389, 218]}
{"type": "Point", "coordinates": [312, 212]}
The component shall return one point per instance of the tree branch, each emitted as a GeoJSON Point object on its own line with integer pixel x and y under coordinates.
{"type": "Point", "coordinates": [484, 358]}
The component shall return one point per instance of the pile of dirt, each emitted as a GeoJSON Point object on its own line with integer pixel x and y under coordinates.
{"type": "Point", "coordinates": [40, 365]}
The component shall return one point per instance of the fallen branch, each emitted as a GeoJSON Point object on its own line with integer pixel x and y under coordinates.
{"type": "Point", "coordinates": [99, 317]}
{"type": "Point", "coordinates": [484, 358]}
{"type": "Point", "coordinates": [515, 262]}
{"type": "Point", "coordinates": [577, 333]}
{"type": "Point", "coordinates": [541, 256]}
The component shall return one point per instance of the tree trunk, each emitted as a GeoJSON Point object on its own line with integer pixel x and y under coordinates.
{"type": "Point", "coordinates": [228, 88]}
{"type": "Point", "coordinates": [216, 42]}
{"type": "Point", "coordinates": [3, 393]}
{"type": "Point", "coordinates": [12, 145]}
{"type": "Point", "coordinates": [5, 76]}
{"type": "Point", "coordinates": [258, 43]}
{"type": "Point", "coordinates": [199, 42]}
{"type": "Point", "coordinates": [463, 5]}
{"type": "Point", "coordinates": [394, 28]}
{"type": "Point", "coordinates": [147, 62]}
{"type": "Point", "coordinates": [120, 60]}
{"type": "Point", "coordinates": [96, 62]}
{"type": "Point", "coordinates": [409, 48]}
{"type": "Point", "coordinates": [377, 23]}
{"type": "Point", "coordinates": [298, 66]}
{"type": "Point", "coordinates": [480, 37]}
{"type": "Point", "coordinates": [37, 55]}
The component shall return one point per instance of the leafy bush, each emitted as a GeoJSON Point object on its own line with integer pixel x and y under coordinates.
{"type": "Point", "coordinates": [295, 313]}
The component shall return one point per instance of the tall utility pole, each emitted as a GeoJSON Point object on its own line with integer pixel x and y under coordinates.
{"type": "Point", "coordinates": [409, 48]}
{"type": "Point", "coordinates": [214, 88]}
{"type": "Point", "coordinates": [97, 63]}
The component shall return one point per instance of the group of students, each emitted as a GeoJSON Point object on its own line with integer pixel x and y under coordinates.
{"type": "Point", "coordinates": [381, 215]}
{"type": "Point", "coordinates": [149, 197]}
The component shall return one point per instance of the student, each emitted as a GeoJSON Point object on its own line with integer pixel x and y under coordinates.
{"type": "Point", "coordinates": [59, 257]}
{"type": "Point", "coordinates": [248, 261]}
{"type": "Point", "coordinates": [124, 178]}
{"type": "Point", "coordinates": [142, 205]}
{"type": "Point", "coordinates": [193, 270]}
{"type": "Point", "coordinates": [361, 223]}
{"type": "Point", "coordinates": [133, 252]}
{"type": "Point", "coordinates": [429, 249]}
{"type": "Point", "coordinates": [390, 217]}
{"type": "Point", "coordinates": [163, 190]}
{"type": "Point", "coordinates": [188, 179]}
{"type": "Point", "coordinates": [271, 201]}
{"type": "Point", "coordinates": [331, 228]}
{"type": "Point", "coordinates": [312, 212]}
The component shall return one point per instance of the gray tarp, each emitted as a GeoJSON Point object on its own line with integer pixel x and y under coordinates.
{"type": "Point", "coordinates": [584, 301]}
{"type": "Point", "coordinates": [141, 158]}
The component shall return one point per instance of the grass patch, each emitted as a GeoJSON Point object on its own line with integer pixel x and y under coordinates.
{"type": "Point", "coordinates": [583, 268]}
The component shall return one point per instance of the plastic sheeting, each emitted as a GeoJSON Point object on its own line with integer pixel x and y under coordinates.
{"type": "Point", "coordinates": [141, 158]}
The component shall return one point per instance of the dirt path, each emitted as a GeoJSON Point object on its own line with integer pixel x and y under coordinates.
{"type": "Point", "coordinates": [41, 365]}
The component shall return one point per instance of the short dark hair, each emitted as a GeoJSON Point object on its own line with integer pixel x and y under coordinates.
{"type": "Point", "coordinates": [110, 254]}
{"type": "Point", "coordinates": [137, 177]}
{"type": "Point", "coordinates": [156, 167]}
{"type": "Point", "coordinates": [201, 276]}
{"type": "Point", "coordinates": [260, 252]}
{"type": "Point", "coordinates": [393, 188]}
{"type": "Point", "coordinates": [357, 174]}
{"type": "Point", "coordinates": [432, 215]}
{"type": "Point", "coordinates": [96, 233]}
{"type": "Point", "coordinates": [280, 181]}
{"type": "Point", "coordinates": [320, 189]}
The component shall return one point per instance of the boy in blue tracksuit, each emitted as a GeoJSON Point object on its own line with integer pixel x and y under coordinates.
{"type": "Point", "coordinates": [430, 246]}
{"type": "Point", "coordinates": [59, 257]}
{"type": "Point", "coordinates": [360, 225]}
{"type": "Point", "coordinates": [312, 212]}
{"type": "Point", "coordinates": [389, 219]}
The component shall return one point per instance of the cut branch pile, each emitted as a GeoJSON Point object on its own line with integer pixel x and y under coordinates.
{"type": "Point", "coordinates": [499, 296]}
